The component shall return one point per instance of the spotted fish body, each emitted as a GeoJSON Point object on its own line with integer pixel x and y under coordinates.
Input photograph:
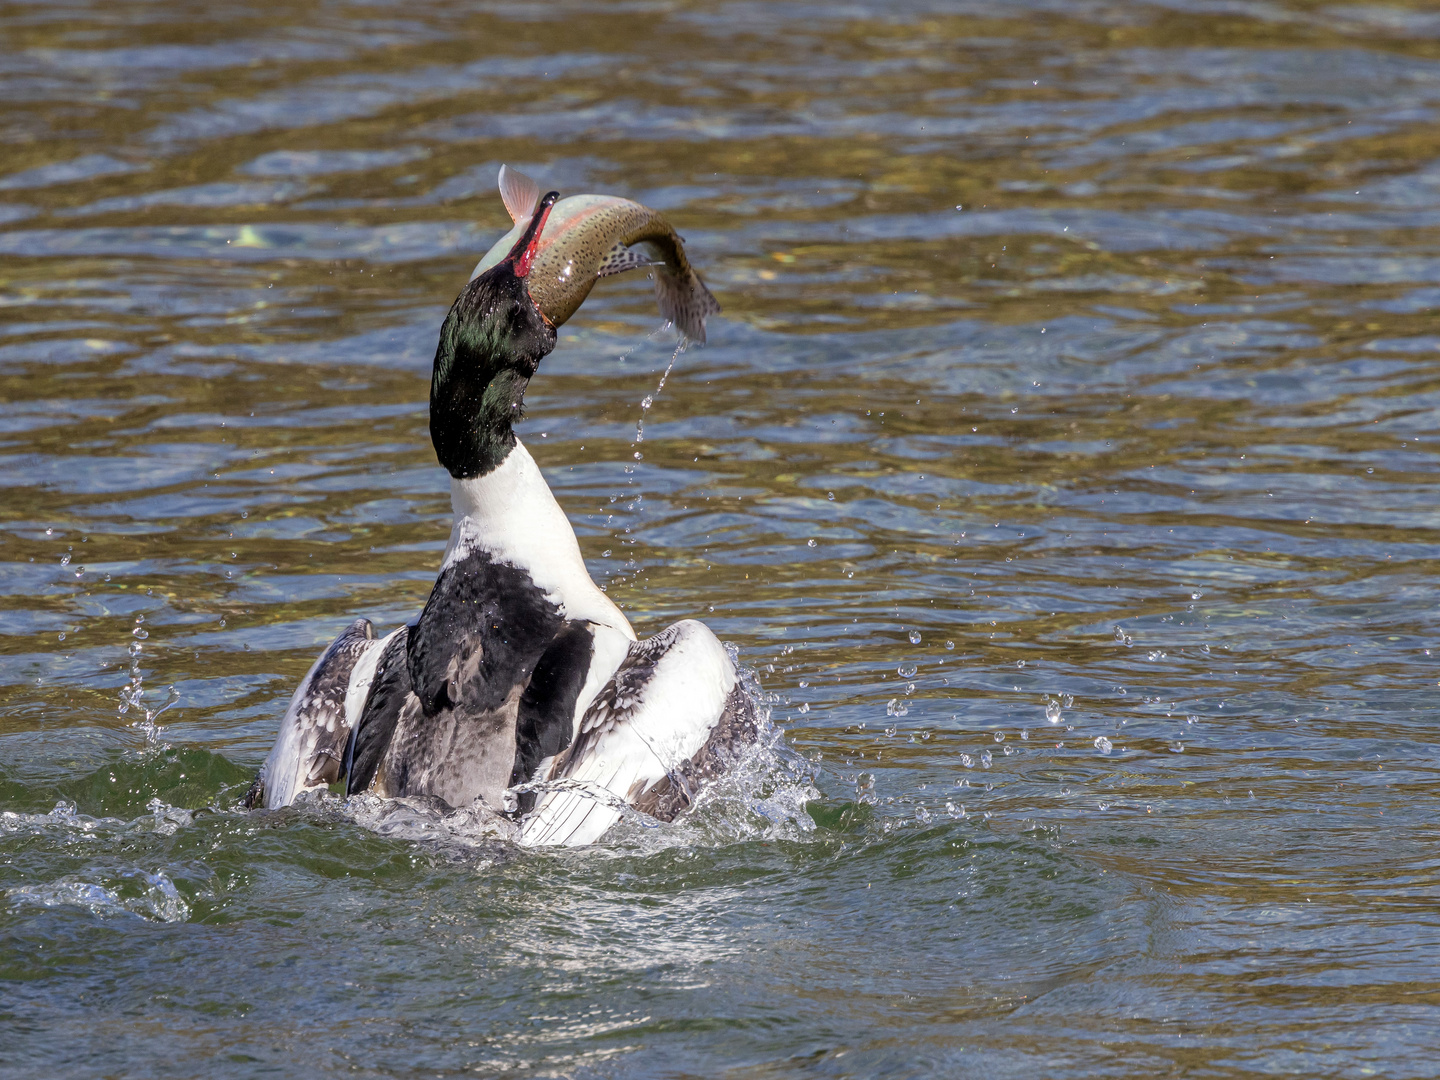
{"type": "Point", "coordinates": [588, 237]}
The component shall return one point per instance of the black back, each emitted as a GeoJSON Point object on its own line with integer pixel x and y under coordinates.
{"type": "Point", "coordinates": [482, 631]}
{"type": "Point", "coordinates": [482, 687]}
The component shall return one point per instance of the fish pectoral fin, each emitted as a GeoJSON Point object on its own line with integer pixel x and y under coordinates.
{"type": "Point", "coordinates": [519, 192]}
{"type": "Point", "coordinates": [622, 257]}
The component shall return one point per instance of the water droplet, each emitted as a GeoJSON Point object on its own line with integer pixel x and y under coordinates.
{"type": "Point", "coordinates": [62, 635]}
{"type": "Point", "coordinates": [140, 633]}
{"type": "Point", "coordinates": [810, 542]}
{"type": "Point", "coordinates": [950, 645]}
{"type": "Point", "coordinates": [999, 736]}
{"type": "Point", "coordinates": [804, 707]}
{"type": "Point", "coordinates": [64, 560]}
{"type": "Point", "coordinates": [967, 761]}
{"type": "Point", "coordinates": [1068, 700]}
{"type": "Point", "coordinates": [1196, 595]}
{"type": "Point", "coordinates": [985, 758]}
{"type": "Point", "coordinates": [1025, 733]}
{"type": "Point", "coordinates": [1192, 719]}
{"type": "Point", "coordinates": [1103, 744]}
{"type": "Point", "coordinates": [906, 671]}
{"type": "Point", "coordinates": [49, 532]}
{"type": "Point", "coordinates": [1177, 747]}
{"type": "Point", "coordinates": [1052, 711]}
{"type": "Point", "coordinates": [830, 495]}
{"type": "Point", "coordinates": [896, 707]}
{"type": "Point", "coordinates": [914, 637]}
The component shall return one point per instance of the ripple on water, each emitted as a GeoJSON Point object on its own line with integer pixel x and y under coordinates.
{"type": "Point", "coordinates": [1040, 321]}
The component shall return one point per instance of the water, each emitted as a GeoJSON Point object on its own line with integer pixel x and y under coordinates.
{"type": "Point", "coordinates": [1084, 538]}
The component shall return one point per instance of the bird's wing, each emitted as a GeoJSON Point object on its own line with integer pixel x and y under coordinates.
{"type": "Point", "coordinates": [309, 750]}
{"type": "Point", "coordinates": [654, 716]}
{"type": "Point", "coordinates": [379, 711]}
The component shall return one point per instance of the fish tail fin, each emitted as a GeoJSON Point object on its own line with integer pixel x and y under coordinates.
{"type": "Point", "coordinates": [684, 300]}
{"type": "Point", "coordinates": [519, 192]}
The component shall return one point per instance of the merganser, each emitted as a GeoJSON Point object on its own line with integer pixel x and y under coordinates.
{"type": "Point", "coordinates": [521, 688]}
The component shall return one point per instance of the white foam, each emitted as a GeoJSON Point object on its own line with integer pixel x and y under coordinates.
{"type": "Point", "coordinates": [161, 818]}
{"type": "Point", "coordinates": [160, 901]}
{"type": "Point", "coordinates": [763, 797]}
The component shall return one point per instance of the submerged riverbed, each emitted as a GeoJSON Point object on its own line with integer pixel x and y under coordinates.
{"type": "Point", "coordinates": [1062, 467]}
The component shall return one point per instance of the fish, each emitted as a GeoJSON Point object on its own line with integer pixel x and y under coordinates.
{"type": "Point", "coordinates": [588, 237]}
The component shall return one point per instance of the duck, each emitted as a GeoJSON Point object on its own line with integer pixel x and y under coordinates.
{"type": "Point", "coordinates": [521, 690]}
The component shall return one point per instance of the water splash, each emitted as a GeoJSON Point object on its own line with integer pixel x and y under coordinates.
{"type": "Point", "coordinates": [429, 821]}
{"type": "Point", "coordinates": [162, 818]}
{"type": "Point", "coordinates": [132, 693]}
{"type": "Point", "coordinates": [649, 399]}
{"type": "Point", "coordinates": [762, 796]}
{"type": "Point", "coordinates": [153, 897]}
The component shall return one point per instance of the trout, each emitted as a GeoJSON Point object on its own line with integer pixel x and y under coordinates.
{"type": "Point", "coordinates": [587, 237]}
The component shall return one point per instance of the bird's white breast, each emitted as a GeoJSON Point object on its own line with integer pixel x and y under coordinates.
{"type": "Point", "coordinates": [511, 514]}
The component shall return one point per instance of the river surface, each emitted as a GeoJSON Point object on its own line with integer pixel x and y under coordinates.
{"type": "Point", "coordinates": [1062, 467]}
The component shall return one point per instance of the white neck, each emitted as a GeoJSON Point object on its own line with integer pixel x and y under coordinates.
{"type": "Point", "coordinates": [511, 514]}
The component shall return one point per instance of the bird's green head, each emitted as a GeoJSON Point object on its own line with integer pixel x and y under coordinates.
{"type": "Point", "coordinates": [490, 345]}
